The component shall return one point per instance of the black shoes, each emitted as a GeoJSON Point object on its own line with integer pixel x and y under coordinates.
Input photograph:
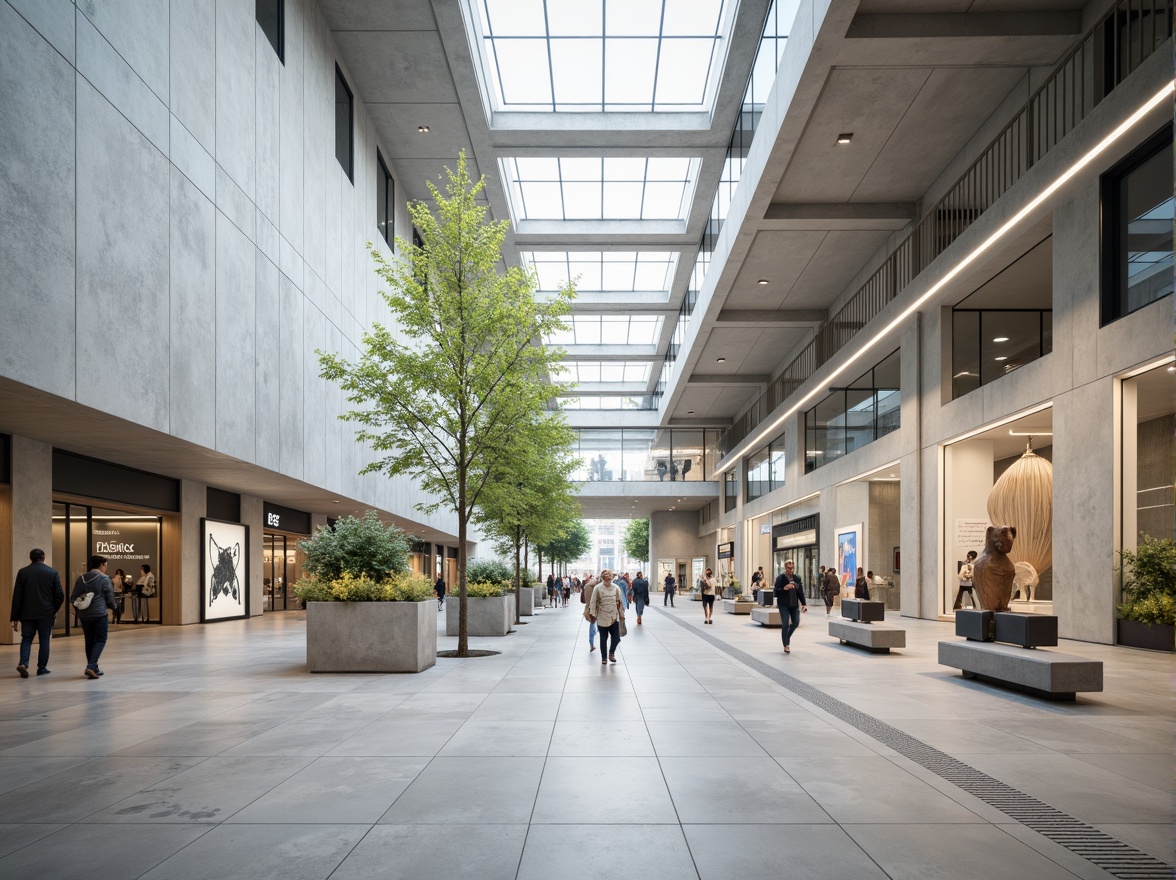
{"type": "Point", "coordinates": [23, 670]}
{"type": "Point", "coordinates": [42, 672]}
{"type": "Point", "coordinates": [90, 673]}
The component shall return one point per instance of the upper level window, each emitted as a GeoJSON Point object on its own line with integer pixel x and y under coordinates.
{"type": "Point", "coordinates": [853, 416]}
{"type": "Point", "coordinates": [344, 119]}
{"type": "Point", "coordinates": [730, 490]}
{"type": "Point", "coordinates": [765, 469]}
{"type": "Point", "coordinates": [1138, 212]}
{"type": "Point", "coordinates": [385, 202]}
{"type": "Point", "coordinates": [271, 17]}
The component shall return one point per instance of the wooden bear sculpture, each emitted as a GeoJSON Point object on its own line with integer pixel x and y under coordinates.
{"type": "Point", "coordinates": [993, 572]}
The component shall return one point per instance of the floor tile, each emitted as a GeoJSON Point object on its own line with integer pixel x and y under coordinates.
{"type": "Point", "coordinates": [603, 791]}
{"type": "Point", "coordinates": [453, 852]}
{"type": "Point", "coordinates": [469, 791]}
{"type": "Point", "coordinates": [98, 851]}
{"type": "Point", "coordinates": [404, 736]}
{"type": "Point", "coordinates": [769, 852]}
{"type": "Point", "coordinates": [735, 790]}
{"type": "Point", "coordinates": [506, 738]}
{"type": "Point", "coordinates": [618, 852]}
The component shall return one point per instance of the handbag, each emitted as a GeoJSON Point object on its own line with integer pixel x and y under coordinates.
{"type": "Point", "coordinates": [624, 629]}
{"type": "Point", "coordinates": [148, 591]}
{"type": "Point", "coordinates": [83, 601]}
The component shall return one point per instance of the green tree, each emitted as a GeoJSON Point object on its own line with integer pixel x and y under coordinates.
{"type": "Point", "coordinates": [438, 396]}
{"type": "Point", "coordinates": [635, 541]}
{"type": "Point", "coordinates": [528, 488]}
{"type": "Point", "coordinates": [571, 545]}
{"type": "Point", "coordinates": [359, 547]}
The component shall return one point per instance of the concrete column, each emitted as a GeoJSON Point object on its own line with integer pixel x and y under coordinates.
{"type": "Point", "coordinates": [193, 507]}
{"type": "Point", "coordinates": [1083, 512]}
{"type": "Point", "coordinates": [252, 517]}
{"type": "Point", "coordinates": [31, 517]}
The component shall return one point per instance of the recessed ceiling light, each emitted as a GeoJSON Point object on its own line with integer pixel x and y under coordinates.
{"type": "Point", "coordinates": [845, 137]}
{"type": "Point", "coordinates": [762, 281]}
{"type": "Point", "coordinates": [690, 412]}
{"type": "Point", "coordinates": [338, 502]}
{"type": "Point", "coordinates": [1172, 369]}
{"type": "Point", "coordinates": [1001, 339]}
{"type": "Point", "coordinates": [720, 360]}
{"type": "Point", "coordinates": [423, 129]}
{"type": "Point", "coordinates": [1002, 358]}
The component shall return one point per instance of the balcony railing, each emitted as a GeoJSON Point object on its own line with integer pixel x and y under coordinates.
{"type": "Point", "coordinates": [1106, 56]}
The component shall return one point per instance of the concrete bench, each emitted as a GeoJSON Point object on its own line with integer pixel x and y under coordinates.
{"type": "Point", "coordinates": [733, 607]}
{"type": "Point", "coordinates": [766, 616]}
{"type": "Point", "coordinates": [1048, 674]}
{"type": "Point", "coordinates": [876, 637]}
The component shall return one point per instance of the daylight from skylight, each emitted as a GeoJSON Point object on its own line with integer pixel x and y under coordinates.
{"type": "Point", "coordinates": [598, 188]}
{"type": "Point", "coordinates": [601, 56]}
{"type": "Point", "coordinates": [608, 330]}
{"type": "Point", "coordinates": [605, 371]}
{"type": "Point", "coordinates": [604, 271]}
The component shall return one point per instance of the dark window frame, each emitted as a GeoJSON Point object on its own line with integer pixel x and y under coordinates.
{"type": "Point", "coordinates": [879, 428]}
{"type": "Point", "coordinates": [730, 490]}
{"type": "Point", "coordinates": [349, 165]}
{"type": "Point", "coordinates": [386, 194]}
{"type": "Point", "coordinates": [985, 350]}
{"type": "Point", "coordinates": [1112, 257]}
{"type": "Point", "coordinates": [278, 38]}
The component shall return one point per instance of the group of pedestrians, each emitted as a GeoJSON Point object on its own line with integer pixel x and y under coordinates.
{"type": "Point", "coordinates": [37, 597]}
{"type": "Point", "coordinates": [606, 599]}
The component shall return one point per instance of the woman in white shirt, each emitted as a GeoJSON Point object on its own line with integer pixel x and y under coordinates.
{"type": "Point", "coordinates": [606, 610]}
{"type": "Point", "coordinates": [144, 590]}
{"type": "Point", "coordinates": [709, 587]}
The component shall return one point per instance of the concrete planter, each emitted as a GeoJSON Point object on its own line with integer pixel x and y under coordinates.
{"type": "Point", "coordinates": [491, 616]}
{"type": "Point", "coordinates": [371, 636]}
{"type": "Point", "coordinates": [526, 601]}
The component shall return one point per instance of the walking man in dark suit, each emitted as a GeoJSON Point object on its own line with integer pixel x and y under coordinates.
{"type": "Point", "coordinates": [37, 596]}
{"type": "Point", "coordinates": [789, 590]}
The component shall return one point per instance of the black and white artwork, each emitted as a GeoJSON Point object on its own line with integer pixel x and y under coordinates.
{"type": "Point", "coordinates": [224, 570]}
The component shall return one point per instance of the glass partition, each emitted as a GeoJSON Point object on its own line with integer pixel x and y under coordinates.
{"type": "Point", "coordinates": [989, 344]}
{"type": "Point", "coordinates": [645, 454]}
{"type": "Point", "coordinates": [853, 416]}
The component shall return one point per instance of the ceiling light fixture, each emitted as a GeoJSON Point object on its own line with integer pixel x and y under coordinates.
{"type": "Point", "coordinates": [423, 129]}
{"type": "Point", "coordinates": [720, 360]}
{"type": "Point", "coordinates": [1001, 358]}
{"type": "Point", "coordinates": [860, 351]}
{"type": "Point", "coordinates": [690, 412]}
{"type": "Point", "coordinates": [1001, 339]}
{"type": "Point", "coordinates": [845, 137]}
{"type": "Point", "coordinates": [762, 281]}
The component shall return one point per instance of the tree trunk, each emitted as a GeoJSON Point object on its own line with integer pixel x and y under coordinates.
{"type": "Point", "coordinates": [539, 550]}
{"type": "Point", "coordinates": [518, 580]}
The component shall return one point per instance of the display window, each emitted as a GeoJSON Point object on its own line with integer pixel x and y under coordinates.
{"type": "Point", "coordinates": [282, 562]}
{"type": "Point", "coordinates": [130, 542]}
{"type": "Point", "coordinates": [1000, 475]}
{"type": "Point", "coordinates": [1148, 469]}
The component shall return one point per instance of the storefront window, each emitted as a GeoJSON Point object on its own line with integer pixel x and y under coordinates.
{"type": "Point", "coordinates": [853, 416]}
{"type": "Point", "coordinates": [1138, 212]}
{"type": "Point", "coordinates": [1149, 472]}
{"type": "Point", "coordinates": [282, 568]}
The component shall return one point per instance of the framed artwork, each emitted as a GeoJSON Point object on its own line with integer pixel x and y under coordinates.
{"type": "Point", "coordinates": [849, 552]}
{"type": "Point", "coordinates": [897, 559]}
{"type": "Point", "coordinates": [224, 570]}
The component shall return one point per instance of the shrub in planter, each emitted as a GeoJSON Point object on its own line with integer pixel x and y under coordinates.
{"type": "Point", "coordinates": [1149, 591]}
{"type": "Point", "coordinates": [488, 571]}
{"type": "Point", "coordinates": [357, 546]}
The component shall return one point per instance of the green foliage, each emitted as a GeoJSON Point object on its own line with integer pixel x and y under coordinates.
{"type": "Point", "coordinates": [401, 587]}
{"type": "Point", "coordinates": [361, 547]}
{"type": "Point", "coordinates": [486, 589]}
{"type": "Point", "coordinates": [1149, 581]}
{"type": "Point", "coordinates": [635, 541]}
{"type": "Point", "coordinates": [574, 543]}
{"type": "Point", "coordinates": [487, 571]}
{"type": "Point", "coordinates": [439, 395]}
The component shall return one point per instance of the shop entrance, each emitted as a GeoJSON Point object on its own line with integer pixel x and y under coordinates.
{"type": "Point", "coordinates": [281, 569]}
{"type": "Point", "coordinates": [796, 541]}
{"type": "Point", "coordinates": [127, 540]}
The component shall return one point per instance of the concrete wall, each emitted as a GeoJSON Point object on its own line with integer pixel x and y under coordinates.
{"type": "Point", "coordinates": [674, 534]}
{"type": "Point", "coordinates": [31, 517]}
{"type": "Point", "coordinates": [170, 190]}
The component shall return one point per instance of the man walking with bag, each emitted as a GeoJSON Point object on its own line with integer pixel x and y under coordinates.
{"type": "Point", "coordinates": [36, 597]}
{"type": "Point", "coordinates": [789, 590]}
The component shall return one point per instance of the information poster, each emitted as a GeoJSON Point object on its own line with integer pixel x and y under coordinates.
{"type": "Point", "coordinates": [849, 551]}
{"type": "Point", "coordinates": [969, 535]}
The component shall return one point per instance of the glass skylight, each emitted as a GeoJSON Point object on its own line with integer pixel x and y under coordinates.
{"type": "Point", "coordinates": [597, 188]}
{"type": "Point", "coordinates": [605, 371]}
{"type": "Point", "coordinates": [604, 402]}
{"type": "Point", "coordinates": [609, 330]}
{"type": "Point", "coordinates": [601, 56]}
{"type": "Point", "coordinates": [604, 271]}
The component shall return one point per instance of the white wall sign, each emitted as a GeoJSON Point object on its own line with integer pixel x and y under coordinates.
{"type": "Point", "coordinates": [765, 528]}
{"type": "Point", "coordinates": [224, 570]}
{"type": "Point", "coordinates": [969, 535]}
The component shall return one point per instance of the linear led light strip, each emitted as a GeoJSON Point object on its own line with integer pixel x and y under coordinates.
{"type": "Point", "coordinates": [1099, 148]}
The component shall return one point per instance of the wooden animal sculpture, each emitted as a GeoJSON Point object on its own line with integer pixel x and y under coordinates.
{"type": "Point", "coordinates": [993, 572]}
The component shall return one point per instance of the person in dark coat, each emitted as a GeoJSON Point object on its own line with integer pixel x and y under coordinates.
{"type": "Point", "coordinates": [670, 586]}
{"type": "Point", "coordinates": [830, 589]}
{"type": "Point", "coordinates": [95, 623]}
{"type": "Point", "coordinates": [789, 590]}
{"type": "Point", "coordinates": [640, 590]}
{"type": "Point", "coordinates": [36, 598]}
{"type": "Point", "coordinates": [861, 587]}
{"type": "Point", "coordinates": [439, 589]}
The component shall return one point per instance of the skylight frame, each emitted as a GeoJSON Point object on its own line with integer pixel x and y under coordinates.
{"type": "Point", "coordinates": [590, 188]}
{"type": "Point", "coordinates": [620, 272]}
{"type": "Point", "coordinates": [586, 63]}
{"type": "Point", "coordinates": [629, 329]}
{"type": "Point", "coordinates": [606, 372]}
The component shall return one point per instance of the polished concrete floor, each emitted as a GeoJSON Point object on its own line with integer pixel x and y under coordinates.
{"type": "Point", "coordinates": [209, 752]}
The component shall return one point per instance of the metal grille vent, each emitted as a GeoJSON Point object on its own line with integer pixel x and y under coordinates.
{"type": "Point", "coordinates": [1097, 847]}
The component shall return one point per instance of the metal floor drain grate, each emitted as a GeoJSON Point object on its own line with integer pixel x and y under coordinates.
{"type": "Point", "coordinates": [1097, 847]}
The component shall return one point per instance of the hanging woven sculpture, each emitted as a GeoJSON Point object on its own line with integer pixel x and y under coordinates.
{"type": "Point", "coordinates": [1023, 497]}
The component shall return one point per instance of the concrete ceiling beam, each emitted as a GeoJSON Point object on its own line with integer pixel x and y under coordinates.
{"type": "Point", "coordinates": [906, 25]}
{"type": "Point", "coordinates": [787, 217]}
{"type": "Point", "coordinates": [1018, 39]}
{"type": "Point", "coordinates": [771, 318]}
{"type": "Point", "coordinates": [609, 352]}
{"type": "Point", "coordinates": [729, 381]}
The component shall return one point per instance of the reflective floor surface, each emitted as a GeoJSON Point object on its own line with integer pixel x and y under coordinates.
{"type": "Point", "coordinates": [209, 752]}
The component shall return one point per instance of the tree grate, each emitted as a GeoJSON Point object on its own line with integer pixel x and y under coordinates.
{"type": "Point", "coordinates": [1112, 855]}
